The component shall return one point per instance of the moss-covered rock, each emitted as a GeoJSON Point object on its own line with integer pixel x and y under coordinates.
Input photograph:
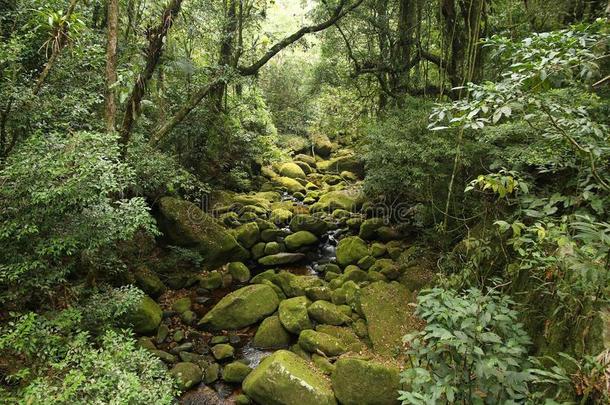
{"type": "Point", "coordinates": [189, 226]}
{"type": "Point", "coordinates": [378, 249]}
{"type": "Point", "coordinates": [181, 305]}
{"type": "Point", "coordinates": [343, 199]}
{"type": "Point", "coordinates": [258, 250]}
{"type": "Point", "coordinates": [293, 314]}
{"type": "Point", "coordinates": [292, 170]}
{"type": "Point", "coordinates": [149, 282]}
{"type": "Point", "coordinates": [345, 334]}
{"type": "Point", "coordinates": [327, 313]}
{"type": "Point", "coordinates": [281, 258]}
{"type": "Point", "coordinates": [272, 248]}
{"type": "Point", "coordinates": [354, 273]}
{"type": "Point", "coordinates": [235, 372]}
{"type": "Point", "coordinates": [366, 262]}
{"type": "Point", "coordinates": [280, 216]}
{"type": "Point", "coordinates": [211, 280]}
{"type": "Point", "coordinates": [417, 277]}
{"type": "Point", "coordinates": [242, 308]}
{"type": "Point", "coordinates": [239, 271]}
{"type": "Point", "coordinates": [350, 250]}
{"type": "Point", "coordinates": [357, 381]}
{"type": "Point", "coordinates": [321, 144]}
{"type": "Point", "coordinates": [187, 375]}
{"type": "Point", "coordinates": [223, 351]}
{"type": "Point", "coordinates": [368, 229]}
{"type": "Point", "coordinates": [388, 315]}
{"type": "Point", "coordinates": [271, 334]}
{"type": "Point", "coordinates": [323, 364]}
{"type": "Point", "coordinates": [318, 293]}
{"type": "Point", "coordinates": [286, 379]}
{"type": "Point", "coordinates": [294, 285]}
{"type": "Point", "coordinates": [145, 317]}
{"type": "Point", "coordinates": [292, 185]}
{"type": "Point", "coordinates": [346, 162]}
{"type": "Point", "coordinates": [310, 160]}
{"type": "Point", "coordinates": [300, 239]}
{"type": "Point", "coordinates": [304, 222]}
{"type": "Point", "coordinates": [318, 342]}
{"type": "Point", "coordinates": [247, 234]}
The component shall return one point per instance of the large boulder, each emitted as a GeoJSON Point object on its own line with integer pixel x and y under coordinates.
{"type": "Point", "coordinates": [289, 184]}
{"type": "Point", "coordinates": [357, 381]}
{"type": "Point", "coordinates": [348, 200]}
{"type": "Point", "coordinates": [347, 162]}
{"type": "Point", "coordinates": [368, 229]}
{"type": "Point", "coordinates": [316, 342]}
{"type": "Point", "coordinates": [292, 170]}
{"type": "Point", "coordinates": [247, 234]}
{"type": "Point", "coordinates": [286, 379]}
{"type": "Point", "coordinates": [294, 285]}
{"type": "Point", "coordinates": [388, 315]}
{"type": "Point", "coordinates": [350, 250]}
{"type": "Point", "coordinates": [189, 226]}
{"type": "Point", "coordinates": [293, 314]}
{"type": "Point", "coordinates": [242, 308]}
{"type": "Point", "coordinates": [304, 222]}
{"type": "Point", "coordinates": [321, 145]}
{"type": "Point", "coordinates": [271, 334]}
{"type": "Point", "coordinates": [300, 239]}
{"type": "Point", "coordinates": [328, 313]}
{"type": "Point", "coordinates": [279, 259]}
{"type": "Point", "coordinates": [145, 317]}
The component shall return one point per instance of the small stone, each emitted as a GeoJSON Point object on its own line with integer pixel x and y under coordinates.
{"type": "Point", "coordinates": [188, 317]}
{"type": "Point", "coordinates": [162, 333]}
{"type": "Point", "coordinates": [216, 340]}
{"type": "Point", "coordinates": [187, 374]}
{"type": "Point", "coordinates": [239, 271]}
{"type": "Point", "coordinates": [211, 372]}
{"type": "Point", "coordinates": [181, 305]}
{"type": "Point", "coordinates": [185, 347]}
{"type": "Point", "coordinates": [178, 336]}
{"type": "Point", "coordinates": [235, 372]}
{"type": "Point", "coordinates": [211, 281]}
{"type": "Point", "coordinates": [223, 351]}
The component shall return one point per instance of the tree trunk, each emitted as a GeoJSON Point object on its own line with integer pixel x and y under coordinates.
{"type": "Point", "coordinates": [156, 40]}
{"type": "Point", "coordinates": [111, 63]}
{"type": "Point", "coordinates": [226, 57]}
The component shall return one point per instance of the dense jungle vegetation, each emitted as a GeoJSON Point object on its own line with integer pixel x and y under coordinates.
{"type": "Point", "coordinates": [295, 202]}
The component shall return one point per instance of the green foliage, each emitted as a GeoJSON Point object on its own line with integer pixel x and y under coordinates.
{"type": "Point", "coordinates": [472, 350]}
{"type": "Point", "coordinates": [65, 213]}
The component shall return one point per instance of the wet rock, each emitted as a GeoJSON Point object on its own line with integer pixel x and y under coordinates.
{"type": "Point", "coordinates": [223, 351]}
{"type": "Point", "coordinates": [318, 342]}
{"type": "Point", "coordinates": [271, 334]}
{"type": "Point", "coordinates": [241, 308]}
{"type": "Point", "coordinates": [187, 374]}
{"type": "Point", "coordinates": [357, 381]}
{"type": "Point", "coordinates": [293, 314]}
{"type": "Point", "coordinates": [281, 258]}
{"type": "Point", "coordinates": [285, 379]}
{"type": "Point", "coordinates": [300, 239]}
{"type": "Point", "coordinates": [239, 271]}
{"type": "Point", "coordinates": [327, 313]}
{"type": "Point", "coordinates": [350, 250]}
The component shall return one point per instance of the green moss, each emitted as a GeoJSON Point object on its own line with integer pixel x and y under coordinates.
{"type": "Point", "coordinates": [145, 317]}
{"type": "Point", "coordinates": [356, 382]}
{"type": "Point", "coordinates": [235, 372]}
{"type": "Point", "coordinates": [271, 334]}
{"type": "Point", "coordinates": [293, 314]}
{"type": "Point", "coordinates": [318, 342]}
{"type": "Point", "coordinates": [327, 313]}
{"type": "Point", "coordinates": [300, 239]}
{"type": "Point", "coordinates": [292, 170]}
{"type": "Point", "coordinates": [187, 375]}
{"type": "Point", "coordinates": [350, 250]}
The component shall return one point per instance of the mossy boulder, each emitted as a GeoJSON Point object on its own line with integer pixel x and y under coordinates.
{"type": "Point", "coordinates": [271, 334]}
{"type": "Point", "coordinates": [321, 144]}
{"type": "Point", "coordinates": [145, 317]}
{"type": "Point", "coordinates": [310, 223]}
{"type": "Point", "coordinates": [247, 234]}
{"type": "Point", "coordinates": [388, 315]}
{"type": "Point", "coordinates": [300, 239]}
{"type": "Point", "coordinates": [258, 250]}
{"type": "Point", "coordinates": [286, 379]}
{"type": "Point", "coordinates": [318, 293]}
{"type": "Point", "coordinates": [186, 374]}
{"type": "Point", "coordinates": [235, 372]}
{"type": "Point", "coordinates": [368, 229]}
{"type": "Point", "coordinates": [310, 160]}
{"type": "Point", "coordinates": [344, 199]}
{"type": "Point", "coordinates": [293, 314]}
{"type": "Point", "coordinates": [292, 185]}
{"type": "Point", "coordinates": [318, 342]}
{"type": "Point", "coordinates": [272, 248]}
{"type": "Point", "coordinates": [345, 334]}
{"type": "Point", "coordinates": [182, 305]}
{"type": "Point", "coordinates": [387, 233]}
{"type": "Point", "coordinates": [189, 226]}
{"type": "Point", "coordinates": [281, 216]}
{"type": "Point", "coordinates": [350, 250]}
{"type": "Point", "coordinates": [292, 170]}
{"type": "Point", "coordinates": [323, 363]}
{"type": "Point", "coordinates": [366, 262]}
{"type": "Point", "coordinates": [305, 167]}
{"type": "Point", "coordinates": [239, 271]}
{"type": "Point", "coordinates": [346, 162]}
{"type": "Point", "coordinates": [149, 282]}
{"type": "Point", "coordinates": [358, 381]}
{"type": "Point", "coordinates": [279, 259]}
{"type": "Point", "coordinates": [223, 351]}
{"type": "Point", "coordinates": [211, 280]}
{"type": "Point", "coordinates": [242, 308]}
{"type": "Point", "coordinates": [327, 313]}
{"type": "Point", "coordinates": [294, 285]}
{"type": "Point", "coordinates": [378, 249]}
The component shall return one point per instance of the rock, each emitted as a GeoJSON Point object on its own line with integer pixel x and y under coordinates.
{"type": "Point", "coordinates": [211, 280]}
{"type": "Point", "coordinates": [353, 273]}
{"type": "Point", "coordinates": [178, 336]}
{"type": "Point", "coordinates": [146, 343]}
{"type": "Point", "coordinates": [242, 308]}
{"type": "Point", "coordinates": [354, 224]}
{"type": "Point", "coordinates": [388, 315]}
{"type": "Point", "coordinates": [345, 334]}
{"type": "Point", "coordinates": [366, 262]}
{"type": "Point", "coordinates": [318, 293]}
{"type": "Point", "coordinates": [368, 229]}
{"type": "Point", "coordinates": [304, 222]}
{"type": "Point", "coordinates": [184, 347]}
{"type": "Point", "coordinates": [293, 314]}
{"type": "Point", "coordinates": [328, 313]}
{"type": "Point", "coordinates": [349, 176]}
{"type": "Point", "coordinates": [281, 258]}
{"type": "Point", "coordinates": [187, 375]}
{"type": "Point", "coordinates": [258, 250]}
{"type": "Point", "coordinates": [294, 285]}
{"type": "Point", "coordinates": [239, 271]}
{"type": "Point", "coordinates": [242, 399]}
{"type": "Point", "coordinates": [292, 170]}
{"type": "Point", "coordinates": [145, 317]}
{"type": "Point", "coordinates": [272, 235]}
{"type": "Point", "coordinates": [247, 234]}
{"type": "Point", "coordinates": [347, 162]}
{"type": "Point", "coordinates": [223, 351]}
{"type": "Point", "coordinates": [235, 372]}
{"type": "Point", "coordinates": [286, 379]}
{"type": "Point", "coordinates": [292, 185]}
{"type": "Point", "coordinates": [305, 167]}
{"type": "Point", "coordinates": [321, 144]}
{"type": "Point", "coordinates": [343, 199]}
{"type": "Point", "coordinates": [188, 317]}
{"type": "Point", "coordinates": [164, 356]}
{"type": "Point", "coordinates": [318, 342]}
{"type": "Point", "coordinates": [271, 334]}
{"type": "Point", "coordinates": [149, 282]}
{"type": "Point", "coordinates": [162, 333]}
{"type": "Point", "coordinates": [280, 216]}
{"type": "Point", "coordinates": [265, 275]}
{"type": "Point", "coordinates": [189, 226]}
{"type": "Point", "coordinates": [300, 239]}
{"type": "Point", "coordinates": [360, 328]}
{"type": "Point", "coordinates": [219, 339]}
{"type": "Point", "coordinates": [272, 248]}
{"type": "Point", "coordinates": [181, 305]}
{"type": "Point", "coordinates": [386, 234]}
{"type": "Point", "coordinates": [356, 381]}
{"type": "Point", "coordinates": [323, 364]}
{"type": "Point", "coordinates": [378, 249]}
{"type": "Point", "coordinates": [211, 372]}
{"type": "Point", "coordinates": [230, 219]}
{"type": "Point", "coordinates": [350, 250]}
{"type": "Point", "coordinates": [310, 160]}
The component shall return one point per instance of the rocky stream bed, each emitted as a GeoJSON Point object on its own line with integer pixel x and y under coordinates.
{"type": "Point", "coordinates": [302, 297]}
